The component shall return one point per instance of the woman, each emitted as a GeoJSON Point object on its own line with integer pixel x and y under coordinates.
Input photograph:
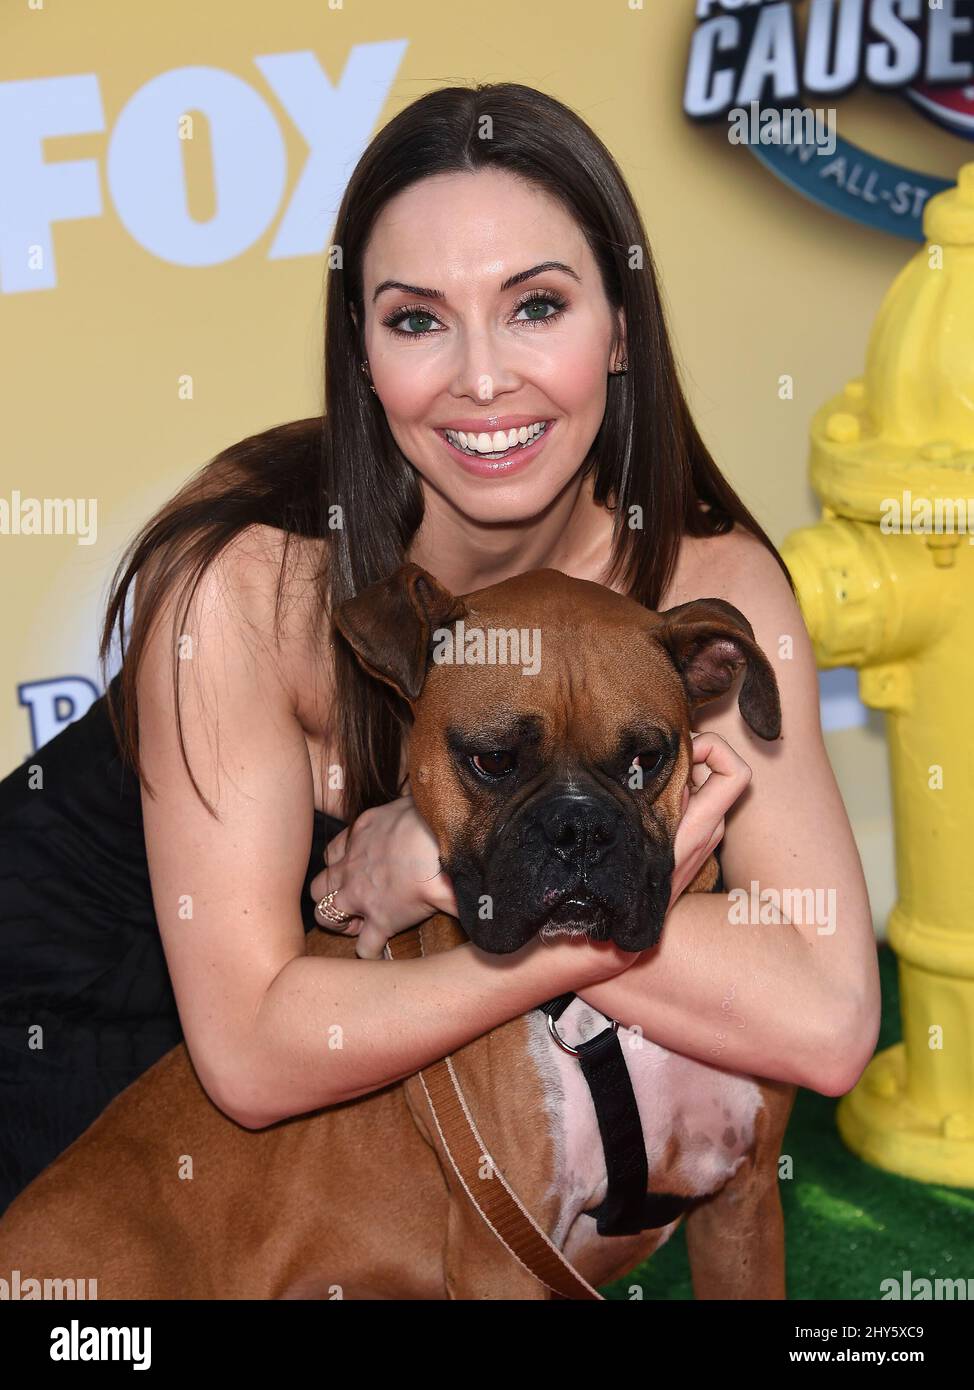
{"type": "Point", "coordinates": [489, 275]}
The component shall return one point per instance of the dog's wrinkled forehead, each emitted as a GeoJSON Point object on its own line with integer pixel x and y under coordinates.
{"type": "Point", "coordinates": [535, 667]}
{"type": "Point", "coordinates": [575, 649]}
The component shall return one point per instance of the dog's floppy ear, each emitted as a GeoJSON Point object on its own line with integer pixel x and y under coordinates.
{"type": "Point", "coordinates": [389, 626]}
{"type": "Point", "coordinates": [709, 641]}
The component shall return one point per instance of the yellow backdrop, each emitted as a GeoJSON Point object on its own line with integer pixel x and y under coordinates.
{"type": "Point", "coordinates": [151, 325]}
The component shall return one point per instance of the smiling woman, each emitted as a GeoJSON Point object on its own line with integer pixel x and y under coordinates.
{"type": "Point", "coordinates": [529, 348]}
{"type": "Point", "coordinates": [501, 397]}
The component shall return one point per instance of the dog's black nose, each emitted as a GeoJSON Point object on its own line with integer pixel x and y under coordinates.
{"type": "Point", "coordinates": [580, 825]}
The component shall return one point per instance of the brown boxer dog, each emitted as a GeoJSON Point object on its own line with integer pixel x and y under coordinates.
{"type": "Point", "coordinates": [549, 750]}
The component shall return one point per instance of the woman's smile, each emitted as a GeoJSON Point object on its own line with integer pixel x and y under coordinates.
{"type": "Point", "coordinates": [498, 452]}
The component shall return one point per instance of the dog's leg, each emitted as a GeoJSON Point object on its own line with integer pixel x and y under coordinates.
{"type": "Point", "coordinates": [736, 1238]}
{"type": "Point", "coordinates": [476, 1264]}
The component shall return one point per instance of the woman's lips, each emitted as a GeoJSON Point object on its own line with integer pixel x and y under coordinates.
{"type": "Point", "coordinates": [499, 468]}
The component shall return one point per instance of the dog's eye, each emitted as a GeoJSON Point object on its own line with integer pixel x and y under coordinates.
{"type": "Point", "coordinates": [649, 761]}
{"type": "Point", "coordinates": [493, 765]}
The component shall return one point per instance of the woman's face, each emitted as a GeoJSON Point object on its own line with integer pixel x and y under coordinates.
{"type": "Point", "coordinates": [456, 354]}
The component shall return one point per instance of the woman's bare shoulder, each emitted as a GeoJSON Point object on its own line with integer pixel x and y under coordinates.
{"type": "Point", "coordinates": [735, 566]}
{"type": "Point", "coordinates": [262, 556]}
{"type": "Point", "coordinates": [278, 580]}
{"type": "Point", "coordinates": [267, 582]}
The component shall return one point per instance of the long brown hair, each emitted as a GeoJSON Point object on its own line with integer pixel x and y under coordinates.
{"type": "Point", "coordinates": [650, 464]}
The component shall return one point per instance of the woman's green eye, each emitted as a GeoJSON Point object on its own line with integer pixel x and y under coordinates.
{"type": "Point", "coordinates": [420, 321]}
{"type": "Point", "coordinates": [543, 300]}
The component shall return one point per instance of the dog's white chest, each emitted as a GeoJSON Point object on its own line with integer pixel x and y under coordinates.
{"type": "Point", "coordinates": [710, 1114]}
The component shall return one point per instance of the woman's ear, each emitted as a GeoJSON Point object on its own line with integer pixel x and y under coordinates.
{"type": "Point", "coordinates": [621, 348]}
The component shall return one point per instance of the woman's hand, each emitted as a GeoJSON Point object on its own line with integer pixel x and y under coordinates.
{"type": "Point", "coordinates": [386, 869]}
{"type": "Point", "coordinates": [719, 775]}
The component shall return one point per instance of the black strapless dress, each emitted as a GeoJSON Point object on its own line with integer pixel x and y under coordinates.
{"type": "Point", "coordinates": [80, 950]}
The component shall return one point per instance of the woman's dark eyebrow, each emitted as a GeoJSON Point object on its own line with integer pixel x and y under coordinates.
{"type": "Point", "coordinates": [508, 284]}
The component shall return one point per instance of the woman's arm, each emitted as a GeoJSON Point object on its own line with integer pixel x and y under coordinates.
{"type": "Point", "coordinates": [258, 1015]}
{"type": "Point", "coordinates": [795, 999]}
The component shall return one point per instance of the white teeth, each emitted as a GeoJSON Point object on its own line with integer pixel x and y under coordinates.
{"type": "Point", "coordinates": [495, 445]}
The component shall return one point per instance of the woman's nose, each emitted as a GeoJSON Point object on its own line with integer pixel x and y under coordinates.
{"type": "Point", "coordinates": [485, 366]}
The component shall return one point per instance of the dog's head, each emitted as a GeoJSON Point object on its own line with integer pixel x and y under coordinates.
{"type": "Point", "coordinates": [551, 740]}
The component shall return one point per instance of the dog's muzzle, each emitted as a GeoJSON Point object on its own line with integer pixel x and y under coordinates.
{"type": "Point", "coordinates": [568, 862]}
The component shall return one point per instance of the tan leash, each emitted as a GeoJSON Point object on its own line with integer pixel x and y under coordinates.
{"type": "Point", "coordinates": [496, 1201]}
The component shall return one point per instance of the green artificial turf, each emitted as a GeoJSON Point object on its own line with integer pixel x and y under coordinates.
{"type": "Point", "coordinates": [848, 1225]}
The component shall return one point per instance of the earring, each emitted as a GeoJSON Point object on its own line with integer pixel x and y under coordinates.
{"type": "Point", "coordinates": [622, 368]}
{"type": "Point", "coordinates": [364, 366]}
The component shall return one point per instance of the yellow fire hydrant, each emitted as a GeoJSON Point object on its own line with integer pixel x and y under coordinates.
{"type": "Point", "coordinates": [886, 584]}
